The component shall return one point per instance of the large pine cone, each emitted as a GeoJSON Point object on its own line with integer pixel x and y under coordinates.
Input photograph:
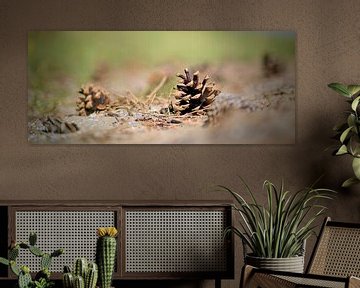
{"type": "Point", "coordinates": [93, 98]}
{"type": "Point", "coordinates": [192, 95]}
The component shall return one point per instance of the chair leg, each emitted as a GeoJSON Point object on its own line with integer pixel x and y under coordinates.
{"type": "Point", "coordinates": [246, 273]}
{"type": "Point", "coordinates": [217, 283]}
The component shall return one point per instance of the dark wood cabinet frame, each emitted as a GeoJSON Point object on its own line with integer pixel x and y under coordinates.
{"type": "Point", "coordinates": [9, 208]}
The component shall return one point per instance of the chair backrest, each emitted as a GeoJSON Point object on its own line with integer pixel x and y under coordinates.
{"type": "Point", "coordinates": [337, 251]}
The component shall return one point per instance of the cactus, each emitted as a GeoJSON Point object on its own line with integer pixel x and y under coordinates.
{"type": "Point", "coordinates": [79, 282]}
{"type": "Point", "coordinates": [32, 238]}
{"type": "Point", "coordinates": [105, 254]}
{"type": "Point", "coordinates": [68, 280]}
{"type": "Point", "coordinates": [13, 253]}
{"type": "Point", "coordinates": [57, 252]}
{"type": "Point", "coordinates": [89, 272]}
{"type": "Point", "coordinates": [45, 261]}
{"type": "Point", "coordinates": [67, 269]}
{"type": "Point", "coordinates": [91, 276]}
{"type": "Point", "coordinates": [80, 267]}
{"type": "Point", "coordinates": [14, 268]}
{"type": "Point", "coordinates": [42, 278]}
{"type": "Point", "coordinates": [24, 245]}
{"type": "Point", "coordinates": [36, 251]}
{"type": "Point", "coordinates": [24, 277]}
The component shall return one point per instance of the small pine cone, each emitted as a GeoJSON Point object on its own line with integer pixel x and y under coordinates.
{"type": "Point", "coordinates": [57, 125]}
{"type": "Point", "coordinates": [93, 98]}
{"type": "Point", "coordinates": [191, 94]}
{"type": "Point", "coordinates": [271, 66]}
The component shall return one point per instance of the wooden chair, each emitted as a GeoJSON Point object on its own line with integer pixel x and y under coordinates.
{"type": "Point", "coordinates": [335, 262]}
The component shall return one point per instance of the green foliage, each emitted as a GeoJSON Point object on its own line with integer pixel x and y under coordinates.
{"type": "Point", "coordinates": [42, 278]}
{"type": "Point", "coordinates": [42, 283]}
{"type": "Point", "coordinates": [279, 229]}
{"type": "Point", "coordinates": [348, 132]}
{"type": "Point", "coordinates": [44, 273]}
{"type": "Point", "coordinates": [4, 261]}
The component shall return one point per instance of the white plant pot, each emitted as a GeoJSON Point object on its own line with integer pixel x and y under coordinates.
{"type": "Point", "coordinates": [291, 264]}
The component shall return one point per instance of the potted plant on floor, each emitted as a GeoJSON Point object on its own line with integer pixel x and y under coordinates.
{"type": "Point", "coordinates": [348, 133]}
{"type": "Point", "coordinates": [276, 233]}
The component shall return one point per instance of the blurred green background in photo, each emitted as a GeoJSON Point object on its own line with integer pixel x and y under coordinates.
{"type": "Point", "coordinates": [59, 61]}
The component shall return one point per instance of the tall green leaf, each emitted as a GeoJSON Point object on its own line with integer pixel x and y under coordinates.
{"type": "Point", "coordinates": [279, 228]}
{"type": "Point", "coordinates": [342, 150]}
{"type": "Point", "coordinates": [355, 103]}
{"type": "Point", "coordinates": [353, 89]}
{"type": "Point", "coordinates": [340, 88]}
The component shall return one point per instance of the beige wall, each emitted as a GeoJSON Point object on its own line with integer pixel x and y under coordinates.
{"type": "Point", "coordinates": [328, 50]}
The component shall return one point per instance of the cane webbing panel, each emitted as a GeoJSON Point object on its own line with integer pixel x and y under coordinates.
{"type": "Point", "coordinates": [175, 241]}
{"type": "Point", "coordinates": [75, 231]}
{"type": "Point", "coordinates": [338, 252]}
{"type": "Point", "coordinates": [267, 280]}
{"type": "Point", "coordinates": [304, 282]}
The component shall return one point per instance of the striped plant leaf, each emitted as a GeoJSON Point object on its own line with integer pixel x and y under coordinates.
{"type": "Point", "coordinates": [279, 228]}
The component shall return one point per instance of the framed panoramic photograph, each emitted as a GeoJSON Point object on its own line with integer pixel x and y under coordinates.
{"type": "Point", "coordinates": [161, 87]}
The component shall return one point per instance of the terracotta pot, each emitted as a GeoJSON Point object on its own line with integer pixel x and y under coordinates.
{"type": "Point", "coordinates": [291, 264]}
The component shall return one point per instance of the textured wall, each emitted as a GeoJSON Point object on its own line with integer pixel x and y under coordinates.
{"type": "Point", "coordinates": [328, 42]}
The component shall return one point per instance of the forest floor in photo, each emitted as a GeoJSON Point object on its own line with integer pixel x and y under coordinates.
{"type": "Point", "coordinates": [254, 107]}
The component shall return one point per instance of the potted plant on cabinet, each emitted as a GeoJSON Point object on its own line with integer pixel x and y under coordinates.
{"type": "Point", "coordinates": [348, 133]}
{"type": "Point", "coordinates": [276, 233]}
{"type": "Point", "coordinates": [42, 278]}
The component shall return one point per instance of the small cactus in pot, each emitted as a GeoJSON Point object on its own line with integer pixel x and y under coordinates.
{"type": "Point", "coordinates": [106, 254]}
{"type": "Point", "coordinates": [85, 275]}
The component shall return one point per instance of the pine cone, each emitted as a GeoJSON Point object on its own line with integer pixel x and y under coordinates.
{"type": "Point", "coordinates": [93, 98]}
{"type": "Point", "coordinates": [271, 66]}
{"type": "Point", "coordinates": [192, 95]}
{"type": "Point", "coordinates": [56, 125]}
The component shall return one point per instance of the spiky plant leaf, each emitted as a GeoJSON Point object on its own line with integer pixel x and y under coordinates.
{"type": "Point", "coordinates": [342, 150]}
{"type": "Point", "coordinates": [356, 167]}
{"type": "Point", "coordinates": [353, 89]}
{"type": "Point", "coordinates": [340, 88]}
{"type": "Point", "coordinates": [280, 228]}
{"type": "Point", "coordinates": [349, 182]}
{"type": "Point", "coordinates": [355, 103]}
